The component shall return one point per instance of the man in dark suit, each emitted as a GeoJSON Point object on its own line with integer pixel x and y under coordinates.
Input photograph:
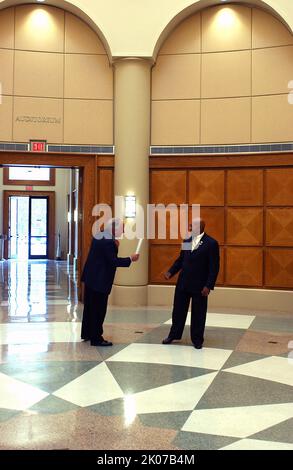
{"type": "Point", "coordinates": [198, 264]}
{"type": "Point", "coordinates": [98, 276]}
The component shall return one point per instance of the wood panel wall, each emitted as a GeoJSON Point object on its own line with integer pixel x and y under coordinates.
{"type": "Point", "coordinates": [105, 181]}
{"type": "Point", "coordinates": [248, 210]}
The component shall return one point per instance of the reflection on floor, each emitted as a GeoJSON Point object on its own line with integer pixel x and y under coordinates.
{"type": "Point", "coordinates": [57, 392]}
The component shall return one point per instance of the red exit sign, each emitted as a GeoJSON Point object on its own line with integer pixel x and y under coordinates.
{"type": "Point", "coordinates": [38, 145]}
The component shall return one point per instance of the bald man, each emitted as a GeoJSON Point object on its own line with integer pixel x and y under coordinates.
{"type": "Point", "coordinates": [198, 264]}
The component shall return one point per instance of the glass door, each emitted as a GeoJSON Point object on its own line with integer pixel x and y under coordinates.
{"type": "Point", "coordinates": [38, 227]}
{"type": "Point", "coordinates": [18, 227]}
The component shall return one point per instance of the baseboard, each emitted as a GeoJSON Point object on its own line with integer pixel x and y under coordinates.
{"type": "Point", "coordinates": [230, 298]}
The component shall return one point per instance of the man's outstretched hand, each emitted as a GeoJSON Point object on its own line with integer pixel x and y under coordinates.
{"type": "Point", "coordinates": [134, 257]}
{"type": "Point", "coordinates": [167, 275]}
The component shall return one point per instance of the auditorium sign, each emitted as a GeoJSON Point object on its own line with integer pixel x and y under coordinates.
{"type": "Point", "coordinates": [38, 119]}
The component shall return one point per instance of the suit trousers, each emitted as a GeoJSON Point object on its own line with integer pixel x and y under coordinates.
{"type": "Point", "coordinates": [198, 315]}
{"type": "Point", "coordinates": [94, 312]}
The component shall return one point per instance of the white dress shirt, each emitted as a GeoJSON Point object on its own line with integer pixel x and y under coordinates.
{"type": "Point", "coordinates": [196, 241]}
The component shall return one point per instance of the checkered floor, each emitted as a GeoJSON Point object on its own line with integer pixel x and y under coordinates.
{"type": "Point", "coordinates": [57, 392]}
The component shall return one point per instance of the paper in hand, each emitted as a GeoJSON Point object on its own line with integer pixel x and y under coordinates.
{"type": "Point", "coordinates": [138, 246]}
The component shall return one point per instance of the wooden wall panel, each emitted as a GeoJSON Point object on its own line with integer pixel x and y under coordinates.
{"type": "Point", "coordinates": [279, 187]}
{"type": "Point", "coordinates": [279, 268]}
{"type": "Point", "coordinates": [247, 209]}
{"type": "Point", "coordinates": [168, 187]}
{"type": "Point", "coordinates": [160, 225]}
{"type": "Point", "coordinates": [215, 222]}
{"type": "Point", "coordinates": [161, 259]}
{"type": "Point", "coordinates": [105, 186]}
{"type": "Point", "coordinates": [221, 275]}
{"type": "Point", "coordinates": [279, 226]}
{"type": "Point", "coordinates": [244, 266]}
{"type": "Point", "coordinates": [206, 187]}
{"type": "Point", "coordinates": [244, 187]}
{"type": "Point", "coordinates": [244, 226]}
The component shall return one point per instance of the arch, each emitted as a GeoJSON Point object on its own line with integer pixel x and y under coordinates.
{"type": "Point", "coordinates": [71, 8]}
{"type": "Point", "coordinates": [199, 5]}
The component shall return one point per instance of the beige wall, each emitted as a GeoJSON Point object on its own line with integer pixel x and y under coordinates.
{"type": "Point", "coordinates": [222, 78]}
{"type": "Point", "coordinates": [136, 28]}
{"type": "Point", "coordinates": [53, 65]}
{"type": "Point", "coordinates": [61, 189]}
{"type": "Point", "coordinates": [211, 73]}
{"type": "Point", "coordinates": [231, 299]}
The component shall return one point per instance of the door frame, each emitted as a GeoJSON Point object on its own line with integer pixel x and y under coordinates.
{"type": "Point", "coordinates": [88, 177]}
{"type": "Point", "coordinates": [51, 216]}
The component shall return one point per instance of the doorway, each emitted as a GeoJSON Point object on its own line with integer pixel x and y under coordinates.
{"type": "Point", "coordinates": [89, 166]}
{"type": "Point", "coordinates": [28, 227]}
{"type": "Point", "coordinates": [29, 222]}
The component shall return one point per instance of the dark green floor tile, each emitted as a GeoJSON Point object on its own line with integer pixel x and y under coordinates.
{"type": "Point", "coordinates": [282, 432]}
{"type": "Point", "coordinates": [137, 316]}
{"type": "Point", "coordinates": [5, 414]}
{"type": "Point", "coordinates": [53, 405]}
{"type": "Point", "coordinates": [109, 408]}
{"type": "Point", "coordinates": [196, 441]}
{"type": "Point", "coordinates": [228, 390]}
{"type": "Point", "coordinates": [239, 358]}
{"type": "Point", "coordinates": [48, 376]}
{"type": "Point", "coordinates": [278, 324]}
{"type": "Point", "coordinates": [172, 420]}
{"type": "Point", "coordinates": [109, 351]}
{"type": "Point", "coordinates": [136, 377]}
{"type": "Point", "coordinates": [158, 334]}
{"type": "Point", "coordinates": [222, 338]}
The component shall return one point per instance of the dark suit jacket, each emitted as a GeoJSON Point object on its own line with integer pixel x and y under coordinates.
{"type": "Point", "coordinates": [199, 268]}
{"type": "Point", "coordinates": [100, 267]}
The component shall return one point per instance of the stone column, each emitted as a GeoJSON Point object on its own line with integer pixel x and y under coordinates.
{"type": "Point", "coordinates": [132, 141]}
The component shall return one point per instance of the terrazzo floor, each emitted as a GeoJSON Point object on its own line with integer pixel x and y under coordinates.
{"type": "Point", "coordinates": [57, 392]}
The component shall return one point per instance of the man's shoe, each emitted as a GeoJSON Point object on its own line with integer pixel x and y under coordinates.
{"type": "Point", "coordinates": [101, 342]}
{"type": "Point", "coordinates": [85, 339]}
{"type": "Point", "coordinates": [198, 346]}
{"type": "Point", "coordinates": [168, 340]}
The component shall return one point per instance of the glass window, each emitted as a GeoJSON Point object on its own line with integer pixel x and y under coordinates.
{"type": "Point", "coordinates": [30, 174]}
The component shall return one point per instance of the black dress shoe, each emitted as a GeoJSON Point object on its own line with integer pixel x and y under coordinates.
{"type": "Point", "coordinates": [198, 346]}
{"type": "Point", "coordinates": [85, 339]}
{"type": "Point", "coordinates": [168, 340]}
{"type": "Point", "coordinates": [101, 342]}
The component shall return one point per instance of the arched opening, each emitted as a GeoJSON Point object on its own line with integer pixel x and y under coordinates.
{"type": "Point", "coordinates": [71, 8]}
{"type": "Point", "coordinates": [203, 4]}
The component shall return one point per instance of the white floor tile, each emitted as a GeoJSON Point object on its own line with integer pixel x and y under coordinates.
{"type": "Point", "coordinates": [51, 332]}
{"type": "Point", "coordinates": [237, 421]}
{"type": "Point", "coordinates": [224, 320]}
{"type": "Point", "coordinates": [277, 369]}
{"type": "Point", "coordinates": [95, 386]}
{"type": "Point", "coordinates": [179, 396]}
{"type": "Point", "coordinates": [255, 444]}
{"type": "Point", "coordinates": [206, 358]}
{"type": "Point", "coordinates": [5, 303]}
{"type": "Point", "coordinates": [17, 395]}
